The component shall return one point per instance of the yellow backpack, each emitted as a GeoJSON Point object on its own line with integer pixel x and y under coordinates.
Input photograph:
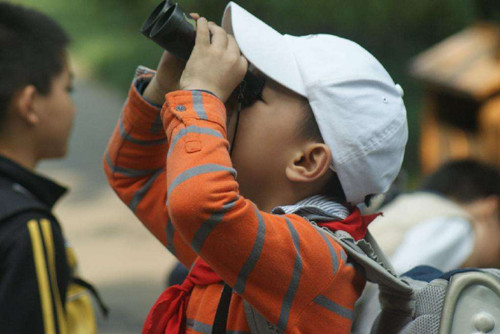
{"type": "Point", "coordinates": [80, 315]}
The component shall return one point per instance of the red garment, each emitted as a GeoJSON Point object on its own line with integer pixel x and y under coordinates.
{"type": "Point", "coordinates": [168, 314]}
{"type": "Point", "coordinates": [355, 224]}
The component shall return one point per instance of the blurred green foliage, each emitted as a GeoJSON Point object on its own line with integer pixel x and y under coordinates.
{"type": "Point", "coordinates": [106, 33]}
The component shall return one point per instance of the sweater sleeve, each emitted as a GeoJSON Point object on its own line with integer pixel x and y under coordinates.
{"type": "Point", "coordinates": [281, 264]}
{"type": "Point", "coordinates": [135, 166]}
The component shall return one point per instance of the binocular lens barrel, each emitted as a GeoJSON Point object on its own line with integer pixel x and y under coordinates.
{"type": "Point", "coordinates": [147, 26]}
{"type": "Point", "coordinates": [175, 31]}
{"type": "Point", "coordinates": [172, 29]}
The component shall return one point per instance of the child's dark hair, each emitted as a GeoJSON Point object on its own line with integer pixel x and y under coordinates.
{"type": "Point", "coordinates": [309, 129]}
{"type": "Point", "coordinates": [464, 181]}
{"type": "Point", "coordinates": [32, 51]}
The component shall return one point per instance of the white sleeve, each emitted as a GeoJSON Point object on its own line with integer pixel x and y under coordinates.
{"type": "Point", "coordinates": [443, 243]}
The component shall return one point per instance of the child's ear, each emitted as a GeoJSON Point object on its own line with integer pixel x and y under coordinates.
{"type": "Point", "coordinates": [25, 105]}
{"type": "Point", "coordinates": [310, 163]}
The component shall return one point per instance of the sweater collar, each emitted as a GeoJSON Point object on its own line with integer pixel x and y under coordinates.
{"type": "Point", "coordinates": [44, 189]}
{"type": "Point", "coordinates": [327, 213]}
{"type": "Point", "coordinates": [316, 208]}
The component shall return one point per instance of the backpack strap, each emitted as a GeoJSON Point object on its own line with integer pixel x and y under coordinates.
{"type": "Point", "coordinates": [396, 295]}
{"type": "Point", "coordinates": [256, 322]}
{"type": "Point", "coordinates": [93, 291]}
{"type": "Point", "coordinates": [220, 320]}
{"type": "Point", "coordinates": [367, 254]}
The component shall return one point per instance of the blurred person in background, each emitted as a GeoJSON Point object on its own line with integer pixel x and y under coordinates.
{"type": "Point", "coordinates": [452, 222]}
{"type": "Point", "coordinates": [37, 268]}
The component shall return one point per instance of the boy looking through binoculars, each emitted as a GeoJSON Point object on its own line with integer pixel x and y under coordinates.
{"type": "Point", "coordinates": [327, 133]}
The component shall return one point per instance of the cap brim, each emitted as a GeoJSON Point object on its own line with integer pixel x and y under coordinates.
{"type": "Point", "coordinates": [264, 47]}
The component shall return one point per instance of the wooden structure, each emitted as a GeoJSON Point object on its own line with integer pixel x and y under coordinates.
{"type": "Point", "coordinates": [461, 116]}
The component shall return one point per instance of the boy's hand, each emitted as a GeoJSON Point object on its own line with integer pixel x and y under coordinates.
{"type": "Point", "coordinates": [167, 76]}
{"type": "Point", "coordinates": [217, 65]}
{"type": "Point", "coordinates": [165, 80]}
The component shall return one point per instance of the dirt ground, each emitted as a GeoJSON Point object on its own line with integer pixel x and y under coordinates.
{"type": "Point", "coordinates": [116, 253]}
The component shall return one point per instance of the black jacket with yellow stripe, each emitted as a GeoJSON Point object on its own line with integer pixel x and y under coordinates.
{"type": "Point", "coordinates": [34, 270]}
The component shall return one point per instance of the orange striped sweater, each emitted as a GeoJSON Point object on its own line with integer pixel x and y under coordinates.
{"type": "Point", "coordinates": [294, 274]}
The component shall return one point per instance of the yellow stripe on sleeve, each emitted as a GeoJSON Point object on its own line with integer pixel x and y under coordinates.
{"type": "Point", "coordinates": [49, 244]}
{"type": "Point", "coordinates": [42, 276]}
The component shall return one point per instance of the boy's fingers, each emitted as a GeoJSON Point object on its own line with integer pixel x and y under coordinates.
{"type": "Point", "coordinates": [195, 16]}
{"type": "Point", "coordinates": [202, 32]}
{"type": "Point", "coordinates": [219, 35]}
{"type": "Point", "coordinates": [243, 64]}
{"type": "Point", "coordinates": [232, 46]}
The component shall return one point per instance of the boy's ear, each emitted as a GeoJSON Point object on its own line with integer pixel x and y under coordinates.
{"type": "Point", "coordinates": [310, 163]}
{"type": "Point", "coordinates": [25, 105]}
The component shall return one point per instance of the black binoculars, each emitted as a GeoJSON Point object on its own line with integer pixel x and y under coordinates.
{"type": "Point", "coordinates": [175, 31]}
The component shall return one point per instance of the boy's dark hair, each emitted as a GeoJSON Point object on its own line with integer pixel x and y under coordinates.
{"type": "Point", "coordinates": [32, 51]}
{"type": "Point", "coordinates": [464, 180]}
{"type": "Point", "coordinates": [310, 130]}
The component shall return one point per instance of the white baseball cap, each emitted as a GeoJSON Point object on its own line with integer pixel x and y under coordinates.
{"type": "Point", "coordinates": [358, 108]}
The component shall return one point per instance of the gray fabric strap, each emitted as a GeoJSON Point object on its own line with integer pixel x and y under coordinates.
{"type": "Point", "coordinates": [382, 258]}
{"type": "Point", "coordinates": [397, 297]}
{"type": "Point", "coordinates": [376, 267]}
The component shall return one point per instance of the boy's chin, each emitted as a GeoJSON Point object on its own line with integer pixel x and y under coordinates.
{"type": "Point", "coordinates": [58, 153]}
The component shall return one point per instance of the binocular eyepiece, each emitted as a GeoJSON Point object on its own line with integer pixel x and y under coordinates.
{"type": "Point", "coordinates": [175, 31]}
